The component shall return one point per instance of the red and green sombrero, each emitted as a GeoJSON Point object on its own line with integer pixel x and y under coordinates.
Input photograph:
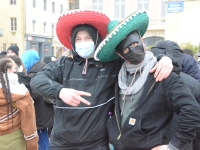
{"type": "Point", "coordinates": [68, 21]}
{"type": "Point", "coordinates": [139, 21]}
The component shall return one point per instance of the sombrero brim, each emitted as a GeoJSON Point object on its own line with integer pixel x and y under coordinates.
{"type": "Point", "coordinates": [105, 52]}
{"type": "Point", "coordinates": [77, 17]}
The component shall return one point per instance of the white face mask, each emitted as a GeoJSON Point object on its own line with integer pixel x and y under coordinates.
{"type": "Point", "coordinates": [85, 49]}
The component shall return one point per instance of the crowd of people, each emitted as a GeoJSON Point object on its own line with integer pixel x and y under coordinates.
{"type": "Point", "coordinates": [110, 94]}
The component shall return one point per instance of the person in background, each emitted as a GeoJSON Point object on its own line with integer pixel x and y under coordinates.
{"type": "Point", "coordinates": [144, 108]}
{"type": "Point", "coordinates": [3, 53]}
{"type": "Point", "coordinates": [44, 111]}
{"type": "Point", "coordinates": [17, 114]}
{"type": "Point", "coordinates": [48, 59]}
{"type": "Point", "coordinates": [19, 65]}
{"type": "Point", "coordinates": [188, 51]}
{"type": "Point", "coordinates": [13, 50]}
{"type": "Point", "coordinates": [192, 84]}
{"type": "Point", "coordinates": [21, 72]}
{"type": "Point", "coordinates": [81, 123]}
{"type": "Point", "coordinates": [186, 63]}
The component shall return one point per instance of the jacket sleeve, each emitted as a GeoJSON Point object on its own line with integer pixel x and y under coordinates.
{"type": "Point", "coordinates": [48, 82]}
{"type": "Point", "coordinates": [190, 67]}
{"type": "Point", "coordinates": [28, 121]}
{"type": "Point", "coordinates": [181, 101]}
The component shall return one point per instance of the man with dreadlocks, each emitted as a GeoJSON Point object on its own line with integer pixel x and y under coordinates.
{"type": "Point", "coordinates": [17, 113]}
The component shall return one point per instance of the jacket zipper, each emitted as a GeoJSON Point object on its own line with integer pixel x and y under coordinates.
{"type": "Point", "coordinates": [116, 113]}
{"type": "Point", "coordinates": [118, 126]}
{"type": "Point", "coordinates": [151, 88]}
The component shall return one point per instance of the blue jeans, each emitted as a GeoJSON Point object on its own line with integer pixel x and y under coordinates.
{"type": "Point", "coordinates": [43, 142]}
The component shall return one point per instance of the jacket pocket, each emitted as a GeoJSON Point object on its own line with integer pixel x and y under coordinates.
{"type": "Point", "coordinates": [132, 135]}
{"type": "Point", "coordinates": [113, 130]}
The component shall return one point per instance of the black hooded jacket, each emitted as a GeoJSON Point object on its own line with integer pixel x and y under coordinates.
{"type": "Point", "coordinates": [44, 111]}
{"type": "Point", "coordinates": [148, 125]}
{"type": "Point", "coordinates": [79, 127]}
{"type": "Point", "coordinates": [182, 62]}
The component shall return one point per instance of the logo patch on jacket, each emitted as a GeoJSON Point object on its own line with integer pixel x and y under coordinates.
{"type": "Point", "coordinates": [132, 121]}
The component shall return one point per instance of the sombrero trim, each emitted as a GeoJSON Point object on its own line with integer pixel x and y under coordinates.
{"type": "Point", "coordinates": [114, 32]}
{"type": "Point", "coordinates": [81, 10]}
{"type": "Point", "coordinates": [68, 20]}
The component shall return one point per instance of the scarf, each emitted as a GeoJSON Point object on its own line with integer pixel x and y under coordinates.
{"type": "Point", "coordinates": [146, 65]}
{"type": "Point", "coordinates": [15, 86]}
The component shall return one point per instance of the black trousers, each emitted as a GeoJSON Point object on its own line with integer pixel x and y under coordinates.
{"type": "Point", "coordinates": [104, 147]}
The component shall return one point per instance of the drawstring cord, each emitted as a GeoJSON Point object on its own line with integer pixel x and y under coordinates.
{"type": "Point", "coordinates": [85, 67]}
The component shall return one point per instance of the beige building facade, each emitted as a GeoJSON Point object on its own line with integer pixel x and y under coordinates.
{"type": "Point", "coordinates": [12, 24]}
{"type": "Point", "coordinates": [184, 26]}
{"type": "Point", "coordinates": [181, 26]}
{"type": "Point", "coordinates": [41, 17]}
{"type": "Point", "coordinates": [30, 24]}
{"type": "Point", "coordinates": [119, 9]}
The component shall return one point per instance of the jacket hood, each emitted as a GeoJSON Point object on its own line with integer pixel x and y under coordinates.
{"type": "Point", "coordinates": [169, 48]}
{"type": "Point", "coordinates": [15, 97]}
{"type": "Point", "coordinates": [168, 45]}
{"type": "Point", "coordinates": [29, 58]}
{"type": "Point", "coordinates": [37, 67]}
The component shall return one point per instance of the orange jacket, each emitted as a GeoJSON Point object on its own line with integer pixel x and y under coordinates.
{"type": "Point", "coordinates": [23, 117]}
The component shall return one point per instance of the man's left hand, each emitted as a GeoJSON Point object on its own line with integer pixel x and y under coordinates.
{"type": "Point", "coordinates": [162, 69]}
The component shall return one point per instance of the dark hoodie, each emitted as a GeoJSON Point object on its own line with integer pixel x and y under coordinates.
{"type": "Point", "coordinates": [184, 62]}
{"type": "Point", "coordinates": [44, 111]}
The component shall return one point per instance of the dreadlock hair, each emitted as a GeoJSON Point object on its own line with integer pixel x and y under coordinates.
{"type": "Point", "coordinates": [5, 64]}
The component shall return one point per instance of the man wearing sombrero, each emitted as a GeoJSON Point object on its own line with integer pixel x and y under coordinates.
{"type": "Point", "coordinates": [79, 123]}
{"type": "Point", "coordinates": [144, 108]}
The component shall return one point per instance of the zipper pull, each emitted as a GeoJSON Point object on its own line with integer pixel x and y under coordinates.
{"type": "Point", "coordinates": [119, 137]}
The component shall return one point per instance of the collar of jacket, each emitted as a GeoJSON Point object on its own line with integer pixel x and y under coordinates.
{"type": "Point", "coordinates": [91, 61]}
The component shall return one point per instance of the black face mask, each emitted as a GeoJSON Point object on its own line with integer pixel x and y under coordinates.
{"type": "Point", "coordinates": [135, 55]}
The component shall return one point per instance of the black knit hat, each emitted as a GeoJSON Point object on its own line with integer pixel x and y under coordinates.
{"type": "Point", "coordinates": [15, 49]}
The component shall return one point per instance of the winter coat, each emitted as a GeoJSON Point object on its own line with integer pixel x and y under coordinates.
{"type": "Point", "coordinates": [22, 116]}
{"type": "Point", "coordinates": [148, 125]}
{"type": "Point", "coordinates": [44, 111]}
{"type": "Point", "coordinates": [79, 127]}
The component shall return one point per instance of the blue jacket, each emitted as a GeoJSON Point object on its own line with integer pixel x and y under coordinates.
{"type": "Point", "coordinates": [190, 67]}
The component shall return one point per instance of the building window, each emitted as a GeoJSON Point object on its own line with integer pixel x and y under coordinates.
{"type": "Point", "coordinates": [13, 44]}
{"type": "Point", "coordinates": [153, 40]}
{"type": "Point", "coordinates": [13, 24]}
{"type": "Point", "coordinates": [119, 9]}
{"type": "Point", "coordinates": [162, 8]}
{"type": "Point", "coordinates": [45, 5]}
{"type": "Point", "coordinates": [53, 7]}
{"type": "Point", "coordinates": [73, 4]}
{"type": "Point", "coordinates": [12, 2]}
{"type": "Point", "coordinates": [97, 4]}
{"type": "Point", "coordinates": [143, 5]}
{"type": "Point", "coordinates": [34, 46]}
{"type": "Point", "coordinates": [4, 47]}
{"type": "Point", "coordinates": [44, 27]}
{"type": "Point", "coordinates": [52, 30]}
{"type": "Point", "coordinates": [61, 9]}
{"type": "Point", "coordinates": [33, 25]}
{"type": "Point", "coordinates": [34, 3]}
